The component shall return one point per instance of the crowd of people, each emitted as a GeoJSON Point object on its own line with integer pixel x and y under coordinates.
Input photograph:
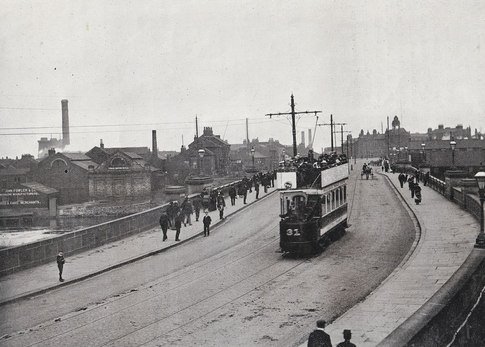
{"type": "Point", "coordinates": [308, 168]}
{"type": "Point", "coordinates": [208, 200]}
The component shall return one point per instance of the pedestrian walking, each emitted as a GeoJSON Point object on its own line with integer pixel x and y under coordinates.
{"type": "Point", "coordinates": [426, 178]}
{"type": "Point", "coordinates": [60, 265]}
{"type": "Point", "coordinates": [187, 210]}
{"type": "Point", "coordinates": [170, 213]}
{"type": "Point", "coordinates": [417, 194]}
{"type": "Point", "coordinates": [221, 204]}
{"type": "Point", "coordinates": [207, 222]}
{"type": "Point", "coordinates": [265, 183]}
{"type": "Point", "coordinates": [232, 195]}
{"type": "Point", "coordinates": [178, 225]}
{"type": "Point", "coordinates": [242, 191]}
{"type": "Point", "coordinates": [401, 179]}
{"type": "Point", "coordinates": [213, 200]}
{"type": "Point", "coordinates": [256, 189]}
{"type": "Point", "coordinates": [318, 337]}
{"type": "Point", "coordinates": [347, 336]}
{"type": "Point", "coordinates": [164, 224]}
{"type": "Point", "coordinates": [204, 195]}
{"type": "Point", "coordinates": [197, 203]}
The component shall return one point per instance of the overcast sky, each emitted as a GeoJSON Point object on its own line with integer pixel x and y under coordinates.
{"type": "Point", "coordinates": [127, 67]}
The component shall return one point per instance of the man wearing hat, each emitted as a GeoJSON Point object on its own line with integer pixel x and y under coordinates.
{"type": "Point", "coordinates": [347, 337]}
{"type": "Point", "coordinates": [318, 337]}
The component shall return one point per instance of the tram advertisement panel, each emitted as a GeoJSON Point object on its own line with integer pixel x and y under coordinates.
{"type": "Point", "coordinates": [334, 174]}
{"type": "Point", "coordinates": [286, 180]}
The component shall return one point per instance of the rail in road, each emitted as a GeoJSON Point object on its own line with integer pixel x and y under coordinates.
{"type": "Point", "coordinates": [81, 266]}
{"type": "Point", "coordinates": [446, 239]}
{"type": "Point", "coordinates": [232, 288]}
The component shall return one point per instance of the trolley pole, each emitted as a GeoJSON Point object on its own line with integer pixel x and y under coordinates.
{"type": "Point", "coordinates": [293, 121]}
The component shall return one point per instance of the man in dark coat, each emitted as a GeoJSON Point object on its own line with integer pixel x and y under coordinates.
{"type": "Point", "coordinates": [207, 222]}
{"type": "Point", "coordinates": [221, 204]}
{"type": "Point", "coordinates": [256, 189]}
{"type": "Point", "coordinates": [164, 224]}
{"type": "Point", "coordinates": [232, 195]}
{"type": "Point", "coordinates": [197, 202]}
{"type": "Point", "coordinates": [417, 193]}
{"type": "Point", "coordinates": [347, 337]}
{"type": "Point", "coordinates": [242, 191]}
{"type": "Point", "coordinates": [318, 337]}
{"type": "Point", "coordinates": [178, 225]}
{"type": "Point", "coordinates": [60, 265]}
{"type": "Point", "coordinates": [187, 210]}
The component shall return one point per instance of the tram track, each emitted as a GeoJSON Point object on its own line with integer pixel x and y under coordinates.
{"type": "Point", "coordinates": [192, 274]}
{"type": "Point", "coordinates": [229, 289]}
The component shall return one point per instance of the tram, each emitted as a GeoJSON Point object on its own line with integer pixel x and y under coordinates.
{"type": "Point", "coordinates": [313, 212]}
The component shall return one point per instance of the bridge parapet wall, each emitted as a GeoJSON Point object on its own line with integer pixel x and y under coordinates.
{"type": "Point", "coordinates": [18, 258]}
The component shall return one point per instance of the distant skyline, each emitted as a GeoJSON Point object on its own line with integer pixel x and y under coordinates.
{"type": "Point", "coordinates": [130, 67]}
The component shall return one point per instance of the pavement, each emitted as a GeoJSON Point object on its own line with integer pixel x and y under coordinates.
{"type": "Point", "coordinates": [43, 278]}
{"type": "Point", "coordinates": [445, 236]}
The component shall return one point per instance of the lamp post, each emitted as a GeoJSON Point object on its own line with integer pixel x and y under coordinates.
{"type": "Point", "coordinates": [453, 146]}
{"type": "Point", "coordinates": [252, 154]}
{"type": "Point", "coordinates": [201, 155]}
{"type": "Point", "coordinates": [480, 177]}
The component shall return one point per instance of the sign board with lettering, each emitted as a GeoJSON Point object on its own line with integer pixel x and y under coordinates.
{"type": "Point", "coordinates": [21, 197]}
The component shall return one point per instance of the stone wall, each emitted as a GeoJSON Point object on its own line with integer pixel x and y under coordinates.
{"type": "Point", "coordinates": [36, 253]}
{"type": "Point", "coordinates": [25, 256]}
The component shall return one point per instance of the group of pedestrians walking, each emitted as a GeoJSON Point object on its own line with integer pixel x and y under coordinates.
{"type": "Point", "coordinates": [413, 183]}
{"type": "Point", "coordinates": [176, 215]}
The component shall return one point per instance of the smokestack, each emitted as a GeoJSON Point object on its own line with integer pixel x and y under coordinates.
{"type": "Point", "coordinates": [101, 144]}
{"type": "Point", "coordinates": [303, 138]}
{"type": "Point", "coordinates": [154, 144]}
{"type": "Point", "coordinates": [310, 143]}
{"type": "Point", "coordinates": [65, 123]}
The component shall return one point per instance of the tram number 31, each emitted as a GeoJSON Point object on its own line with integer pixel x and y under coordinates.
{"type": "Point", "coordinates": [293, 232]}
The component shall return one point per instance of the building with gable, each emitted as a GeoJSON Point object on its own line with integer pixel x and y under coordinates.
{"type": "Point", "coordinates": [119, 175]}
{"type": "Point", "coordinates": [67, 173]}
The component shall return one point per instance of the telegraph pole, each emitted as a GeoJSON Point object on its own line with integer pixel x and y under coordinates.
{"type": "Point", "coordinates": [342, 135]}
{"type": "Point", "coordinates": [332, 132]}
{"type": "Point", "coordinates": [293, 122]}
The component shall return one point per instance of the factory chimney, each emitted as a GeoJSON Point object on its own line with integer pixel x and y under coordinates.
{"type": "Point", "coordinates": [154, 144]}
{"type": "Point", "coordinates": [101, 144]}
{"type": "Point", "coordinates": [303, 139]}
{"type": "Point", "coordinates": [65, 123]}
{"type": "Point", "coordinates": [310, 143]}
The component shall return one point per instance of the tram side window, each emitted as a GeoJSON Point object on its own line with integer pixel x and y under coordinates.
{"type": "Point", "coordinates": [324, 204]}
{"type": "Point", "coordinates": [345, 193]}
{"type": "Point", "coordinates": [329, 204]}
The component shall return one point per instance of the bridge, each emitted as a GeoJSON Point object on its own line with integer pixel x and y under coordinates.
{"type": "Point", "coordinates": [403, 274]}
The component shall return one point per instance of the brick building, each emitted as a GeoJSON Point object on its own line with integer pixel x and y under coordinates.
{"type": "Point", "coordinates": [215, 160]}
{"type": "Point", "coordinates": [67, 173]}
{"type": "Point", "coordinates": [121, 175]}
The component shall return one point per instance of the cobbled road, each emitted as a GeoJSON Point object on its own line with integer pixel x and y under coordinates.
{"type": "Point", "coordinates": [230, 289]}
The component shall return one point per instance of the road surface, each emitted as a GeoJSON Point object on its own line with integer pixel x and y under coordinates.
{"type": "Point", "coordinates": [232, 288]}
